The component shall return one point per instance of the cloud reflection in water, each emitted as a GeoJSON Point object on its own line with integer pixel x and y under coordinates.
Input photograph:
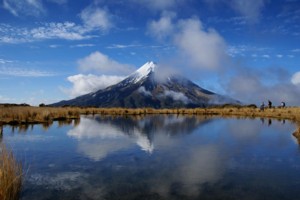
{"type": "Point", "coordinates": [188, 152]}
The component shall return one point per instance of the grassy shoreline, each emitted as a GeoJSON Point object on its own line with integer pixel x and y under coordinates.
{"type": "Point", "coordinates": [33, 115]}
{"type": "Point", "coordinates": [25, 115]}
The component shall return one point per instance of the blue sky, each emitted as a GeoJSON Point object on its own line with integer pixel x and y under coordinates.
{"type": "Point", "coordinates": [52, 50]}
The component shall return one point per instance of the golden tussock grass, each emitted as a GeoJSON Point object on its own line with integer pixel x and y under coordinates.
{"type": "Point", "coordinates": [25, 115]}
{"type": "Point", "coordinates": [10, 175]}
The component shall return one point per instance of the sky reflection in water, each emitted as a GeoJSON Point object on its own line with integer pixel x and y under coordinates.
{"type": "Point", "coordinates": [159, 157]}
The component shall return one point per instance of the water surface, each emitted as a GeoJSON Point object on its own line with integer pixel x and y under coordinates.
{"type": "Point", "coordinates": [158, 157]}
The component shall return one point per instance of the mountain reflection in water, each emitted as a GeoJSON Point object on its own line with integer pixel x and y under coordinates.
{"type": "Point", "coordinates": [101, 135]}
{"type": "Point", "coordinates": [160, 157]}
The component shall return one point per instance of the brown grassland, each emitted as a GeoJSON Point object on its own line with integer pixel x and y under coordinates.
{"type": "Point", "coordinates": [27, 114]}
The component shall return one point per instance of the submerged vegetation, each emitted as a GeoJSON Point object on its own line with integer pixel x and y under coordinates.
{"type": "Point", "coordinates": [10, 175]}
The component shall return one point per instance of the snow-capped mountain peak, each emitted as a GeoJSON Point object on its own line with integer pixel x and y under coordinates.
{"type": "Point", "coordinates": [144, 71]}
{"type": "Point", "coordinates": [146, 68]}
{"type": "Point", "coordinates": [147, 88]}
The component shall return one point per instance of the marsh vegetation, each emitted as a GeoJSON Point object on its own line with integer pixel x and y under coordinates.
{"type": "Point", "coordinates": [10, 175]}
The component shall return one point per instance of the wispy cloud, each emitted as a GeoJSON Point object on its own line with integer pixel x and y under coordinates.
{"type": "Point", "coordinates": [252, 51]}
{"type": "Point", "coordinates": [20, 7]}
{"type": "Point", "coordinates": [162, 27]}
{"type": "Point", "coordinates": [35, 8]}
{"type": "Point", "coordinates": [240, 20]}
{"type": "Point", "coordinates": [66, 30]}
{"type": "Point", "coordinates": [265, 56]}
{"type": "Point", "coordinates": [22, 72]}
{"type": "Point", "coordinates": [159, 5]}
{"type": "Point", "coordinates": [4, 61]}
{"type": "Point", "coordinates": [250, 10]}
{"type": "Point", "coordinates": [60, 2]}
{"type": "Point", "coordinates": [94, 20]}
{"type": "Point", "coordinates": [4, 99]}
{"type": "Point", "coordinates": [122, 46]}
{"type": "Point", "coordinates": [295, 50]}
{"type": "Point", "coordinates": [54, 46]}
{"type": "Point", "coordinates": [82, 45]}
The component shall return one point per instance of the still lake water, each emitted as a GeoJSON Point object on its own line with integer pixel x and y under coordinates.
{"type": "Point", "coordinates": [158, 157]}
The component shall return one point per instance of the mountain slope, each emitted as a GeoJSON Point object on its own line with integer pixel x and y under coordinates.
{"type": "Point", "coordinates": [144, 89]}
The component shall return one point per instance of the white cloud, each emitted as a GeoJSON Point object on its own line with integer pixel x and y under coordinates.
{"type": "Point", "coordinates": [54, 46]}
{"type": "Point", "coordinates": [83, 45]}
{"type": "Point", "coordinates": [60, 2]}
{"type": "Point", "coordinates": [83, 84]}
{"type": "Point", "coordinates": [4, 99]}
{"type": "Point", "coordinates": [102, 64]}
{"type": "Point", "coordinates": [123, 46]}
{"type": "Point", "coordinates": [159, 4]}
{"type": "Point", "coordinates": [249, 86]}
{"type": "Point", "coordinates": [21, 7]}
{"type": "Point", "coordinates": [296, 78]}
{"type": "Point", "coordinates": [162, 27]}
{"type": "Point", "coordinates": [96, 18]}
{"type": "Point", "coordinates": [142, 90]}
{"type": "Point", "coordinates": [204, 49]}
{"type": "Point", "coordinates": [250, 9]}
{"type": "Point", "coordinates": [46, 31]}
{"type": "Point", "coordinates": [66, 30]}
{"type": "Point", "coordinates": [4, 61]}
{"type": "Point", "coordinates": [295, 50]}
{"type": "Point", "coordinates": [176, 96]}
{"type": "Point", "coordinates": [198, 47]}
{"type": "Point", "coordinates": [234, 51]}
{"type": "Point", "coordinates": [279, 55]}
{"type": "Point", "coordinates": [265, 56]}
{"type": "Point", "coordinates": [23, 72]}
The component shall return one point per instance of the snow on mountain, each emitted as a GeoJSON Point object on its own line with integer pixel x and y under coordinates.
{"type": "Point", "coordinates": [143, 71]}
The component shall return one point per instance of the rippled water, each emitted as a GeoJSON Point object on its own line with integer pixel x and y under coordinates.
{"type": "Point", "coordinates": [158, 157]}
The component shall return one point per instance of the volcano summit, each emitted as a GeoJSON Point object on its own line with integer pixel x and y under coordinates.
{"type": "Point", "coordinates": [146, 88]}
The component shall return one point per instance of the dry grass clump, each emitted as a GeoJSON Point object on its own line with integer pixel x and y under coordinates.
{"type": "Point", "coordinates": [10, 175]}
